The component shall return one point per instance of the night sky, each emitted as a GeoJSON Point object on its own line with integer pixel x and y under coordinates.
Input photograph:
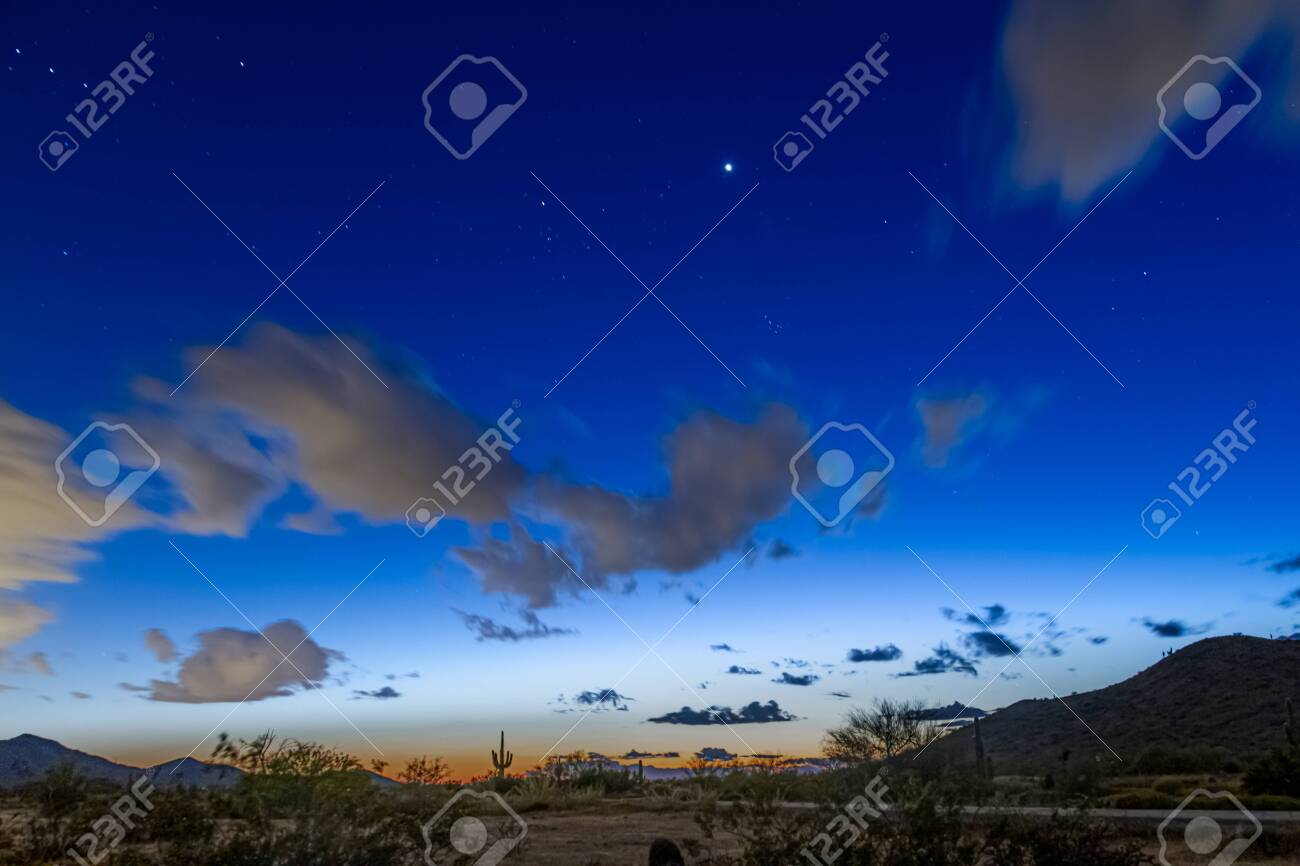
{"type": "Point", "coordinates": [877, 284]}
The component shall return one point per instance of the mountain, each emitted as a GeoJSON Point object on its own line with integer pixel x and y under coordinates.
{"type": "Point", "coordinates": [27, 758]}
{"type": "Point", "coordinates": [1221, 692]}
{"type": "Point", "coordinates": [954, 712]}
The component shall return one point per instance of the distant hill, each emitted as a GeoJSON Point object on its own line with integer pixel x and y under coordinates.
{"type": "Point", "coordinates": [27, 758]}
{"type": "Point", "coordinates": [1224, 692]}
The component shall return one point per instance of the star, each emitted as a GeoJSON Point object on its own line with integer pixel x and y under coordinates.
{"type": "Point", "coordinates": [727, 167]}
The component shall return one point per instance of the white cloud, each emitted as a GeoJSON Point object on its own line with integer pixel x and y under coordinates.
{"type": "Point", "coordinates": [233, 665]}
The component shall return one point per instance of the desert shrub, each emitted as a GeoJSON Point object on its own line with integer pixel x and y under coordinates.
{"type": "Point", "coordinates": [1141, 799]}
{"type": "Point", "coordinates": [1162, 760]}
{"type": "Point", "coordinates": [922, 832]}
{"type": "Point", "coordinates": [1277, 772]}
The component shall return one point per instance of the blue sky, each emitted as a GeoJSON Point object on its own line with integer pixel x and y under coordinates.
{"type": "Point", "coordinates": [829, 293]}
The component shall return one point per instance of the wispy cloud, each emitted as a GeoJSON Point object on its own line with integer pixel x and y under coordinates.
{"type": "Point", "coordinates": [489, 629]}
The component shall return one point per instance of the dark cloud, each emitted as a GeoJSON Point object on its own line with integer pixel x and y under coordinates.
{"type": "Point", "coordinates": [233, 665]}
{"type": "Point", "coordinates": [987, 643]}
{"type": "Point", "coordinates": [753, 713]}
{"type": "Point", "coordinates": [1175, 628]}
{"type": "Point", "coordinates": [1284, 566]}
{"type": "Point", "coordinates": [81, 696]}
{"type": "Point", "coordinates": [840, 694]}
{"type": "Point", "coordinates": [1290, 600]}
{"type": "Point", "coordinates": [790, 679]}
{"type": "Point", "coordinates": [737, 669]}
{"type": "Point", "coordinates": [994, 615]}
{"type": "Point", "coordinates": [781, 549]}
{"type": "Point", "coordinates": [944, 660]}
{"type": "Point", "coordinates": [386, 693]}
{"type": "Point", "coordinates": [522, 565]}
{"type": "Point", "coordinates": [722, 648]}
{"type": "Point", "coordinates": [713, 753]}
{"type": "Point", "coordinates": [413, 675]}
{"type": "Point", "coordinates": [1098, 640]}
{"type": "Point", "coordinates": [886, 653]}
{"type": "Point", "coordinates": [634, 755]}
{"type": "Point", "coordinates": [797, 663]}
{"type": "Point", "coordinates": [602, 699]}
{"type": "Point", "coordinates": [489, 629]}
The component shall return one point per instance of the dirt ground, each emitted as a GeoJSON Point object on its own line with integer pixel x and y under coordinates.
{"type": "Point", "coordinates": [598, 837]}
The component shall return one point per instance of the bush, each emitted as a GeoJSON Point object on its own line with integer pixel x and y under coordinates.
{"type": "Point", "coordinates": [1278, 772]}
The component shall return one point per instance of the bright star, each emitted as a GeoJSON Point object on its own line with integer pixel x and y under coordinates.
{"type": "Point", "coordinates": [728, 167]}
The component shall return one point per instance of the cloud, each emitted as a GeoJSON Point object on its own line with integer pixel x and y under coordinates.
{"type": "Point", "coordinates": [234, 665]}
{"type": "Point", "coordinates": [790, 679]}
{"type": "Point", "coordinates": [131, 687]}
{"type": "Point", "coordinates": [946, 424]}
{"type": "Point", "coordinates": [80, 696]}
{"type": "Point", "coordinates": [753, 713]}
{"type": "Point", "coordinates": [384, 694]}
{"type": "Point", "coordinates": [944, 660]}
{"type": "Point", "coordinates": [1290, 600]}
{"type": "Point", "coordinates": [737, 669]}
{"type": "Point", "coordinates": [1284, 566]}
{"type": "Point", "coordinates": [722, 648]}
{"type": "Point", "coordinates": [489, 629]}
{"type": "Point", "coordinates": [634, 755]}
{"type": "Point", "coordinates": [160, 645]}
{"type": "Point", "coordinates": [1098, 640]}
{"type": "Point", "coordinates": [839, 694]}
{"type": "Point", "coordinates": [723, 478]}
{"type": "Point", "coordinates": [713, 753]}
{"type": "Point", "coordinates": [20, 620]}
{"type": "Point", "coordinates": [797, 663]}
{"type": "Point", "coordinates": [521, 565]}
{"type": "Point", "coordinates": [781, 549]}
{"type": "Point", "coordinates": [994, 614]}
{"type": "Point", "coordinates": [358, 446]}
{"type": "Point", "coordinates": [886, 653]}
{"type": "Point", "coordinates": [602, 699]}
{"type": "Point", "coordinates": [987, 643]}
{"type": "Point", "coordinates": [1081, 124]}
{"type": "Point", "coordinates": [1175, 628]}
{"type": "Point", "coordinates": [37, 663]}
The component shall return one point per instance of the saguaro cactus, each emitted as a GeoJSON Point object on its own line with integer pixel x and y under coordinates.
{"type": "Point", "coordinates": [501, 761]}
{"type": "Point", "coordinates": [983, 766]}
